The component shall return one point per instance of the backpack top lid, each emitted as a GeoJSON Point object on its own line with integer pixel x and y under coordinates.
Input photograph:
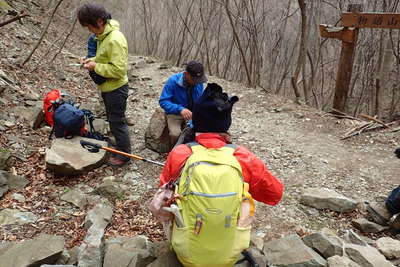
{"type": "Point", "coordinates": [68, 121]}
{"type": "Point", "coordinates": [49, 99]}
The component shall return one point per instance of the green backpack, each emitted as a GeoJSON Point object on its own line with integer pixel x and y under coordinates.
{"type": "Point", "coordinates": [212, 190]}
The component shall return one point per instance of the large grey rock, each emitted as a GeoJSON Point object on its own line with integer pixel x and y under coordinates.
{"type": "Point", "coordinates": [14, 181]}
{"type": "Point", "coordinates": [366, 226]}
{"type": "Point", "coordinates": [157, 135]}
{"type": "Point", "coordinates": [4, 158]}
{"type": "Point", "coordinates": [322, 198]}
{"type": "Point", "coordinates": [12, 216]}
{"type": "Point", "coordinates": [338, 261]}
{"type": "Point", "coordinates": [91, 250]}
{"type": "Point", "coordinates": [291, 251]}
{"type": "Point", "coordinates": [76, 197]}
{"type": "Point", "coordinates": [45, 249]}
{"type": "Point", "coordinates": [67, 157]}
{"type": "Point", "coordinates": [367, 256]}
{"type": "Point", "coordinates": [389, 247]}
{"type": "Point", "coordinates": [58, 265]}
{"type": "Point", "coordinates": [324, 244]}
{"type": "Point", "coordinates": [128, 252]}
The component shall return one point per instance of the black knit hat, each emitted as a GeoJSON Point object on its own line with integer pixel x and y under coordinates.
{"type": "Point", "coordinates": [212, 112]}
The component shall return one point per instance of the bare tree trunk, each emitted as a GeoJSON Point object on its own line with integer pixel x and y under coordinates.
{"type": "Point", "coordinates": [302, 50]}
{"type": "Point", "coordinates": [239, 44]}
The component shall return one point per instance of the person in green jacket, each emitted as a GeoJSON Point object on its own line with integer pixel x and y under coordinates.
{"type": "Point", "coordinates": [111, 62]}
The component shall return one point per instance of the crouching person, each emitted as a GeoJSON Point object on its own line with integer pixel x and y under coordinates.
{"type": "Point", "coordinates": [216, 182]}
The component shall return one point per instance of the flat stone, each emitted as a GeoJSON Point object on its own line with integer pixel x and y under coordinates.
{"type": "Point", "coordinates": [76, 197]}
{"type": "Point", "coordinates": [126, 252]}
{"type": "Point", "coordinates": [14, 181]}
{"type": "Point", "coordinates": [339, 261]}
{"type": "Point", "coordinates": [322, 198]}
{"type": "Point", "coordinates": [291, 251]}
{"type": "Point", "coordinates": [325, 245]}
{"type": "Point", "coordinates": [45, 249]}
{"type": "Point", "coordinates": [366, 226]}
{"type": "Point", "coordinates": [68, 157]}
{"type": "Point", "coordinates": [389, 247]}
{"type": "Point", "coordinates": [18, 197]}
{"type": "Point", "coordinates": [12, 216]}
{"type": "Point", "coordinates": [366, 256]}
{"type": "Point", "coordinates": [4, 158]}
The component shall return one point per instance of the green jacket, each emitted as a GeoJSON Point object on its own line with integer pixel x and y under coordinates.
{"type": "Point", "coordinates": [112, 57]}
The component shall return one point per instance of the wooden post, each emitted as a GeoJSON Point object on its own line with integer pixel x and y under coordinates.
{"type": "Point", "coordinates": [346, 66]}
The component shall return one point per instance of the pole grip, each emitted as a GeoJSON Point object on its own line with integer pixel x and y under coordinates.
{"type": "Point", "coordinates": [91, 147]}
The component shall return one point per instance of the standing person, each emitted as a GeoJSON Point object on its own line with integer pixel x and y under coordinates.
{"type": "Point", "coordinates": [110, 62]}
{"type": "Point", "coordinates": [217, 182]}
{"type": "Point", "coordinates": [178, 95]}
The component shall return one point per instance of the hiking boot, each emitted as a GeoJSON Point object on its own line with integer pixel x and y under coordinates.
{"type": "Point", "coordinates": [117, 162]}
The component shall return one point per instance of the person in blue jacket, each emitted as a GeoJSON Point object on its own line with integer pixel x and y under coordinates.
{"type": "Point", "coordinates": [178, 95]}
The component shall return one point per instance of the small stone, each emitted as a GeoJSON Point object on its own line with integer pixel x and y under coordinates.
{"type": "Point", "coordinates": [389, 247]}
{"type": "Point", "coordinates": [18, 197]}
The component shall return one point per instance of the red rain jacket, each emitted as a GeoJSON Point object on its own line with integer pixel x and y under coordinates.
{"type": "Point", "coordinates": [264, 187]}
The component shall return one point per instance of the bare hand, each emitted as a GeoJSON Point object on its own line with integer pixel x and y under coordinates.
{"type": "Point", "coordinates": [89, 65]}
{"type": "Point", "coordinates": [186, 114]}
{"type": "Point", "coordinates": [82, 60]}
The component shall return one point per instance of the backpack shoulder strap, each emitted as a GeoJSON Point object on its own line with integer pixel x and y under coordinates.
{"type": "Point", "coordinates": [192, 144]}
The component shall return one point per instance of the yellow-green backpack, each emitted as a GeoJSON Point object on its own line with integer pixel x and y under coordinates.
{"type": "Point", "coordinates": [211, 186]}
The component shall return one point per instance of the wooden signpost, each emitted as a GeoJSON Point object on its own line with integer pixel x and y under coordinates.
{"type": "Point", "coordinates": [352, 21]}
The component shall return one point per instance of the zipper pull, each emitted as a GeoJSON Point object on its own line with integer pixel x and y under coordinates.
{"type": "Point", "coordinates": [198, 224]}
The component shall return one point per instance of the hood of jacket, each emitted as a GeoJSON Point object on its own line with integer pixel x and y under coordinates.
{"type": "Point", "coordinates": [111, 25]}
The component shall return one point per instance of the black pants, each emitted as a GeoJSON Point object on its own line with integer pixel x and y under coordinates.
{"type": "Point", "coordinates": [115, 103]}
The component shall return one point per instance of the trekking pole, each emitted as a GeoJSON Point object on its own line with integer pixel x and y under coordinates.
{"type": "Point", "coordinates": [94, 148]}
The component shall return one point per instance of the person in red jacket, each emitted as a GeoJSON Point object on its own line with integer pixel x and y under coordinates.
{"type": "Point", "coordinates": [211, 129]}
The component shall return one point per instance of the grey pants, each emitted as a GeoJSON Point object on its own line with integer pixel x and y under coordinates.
{"type": "Point", "coordinates": [115, 104]}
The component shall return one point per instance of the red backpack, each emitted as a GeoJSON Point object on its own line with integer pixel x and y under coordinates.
{"type": "Point", "coordinates": [49, 101]}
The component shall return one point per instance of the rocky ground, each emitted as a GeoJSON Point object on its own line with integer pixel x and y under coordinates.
{"type": "Point", "coordinates": [302, 146]}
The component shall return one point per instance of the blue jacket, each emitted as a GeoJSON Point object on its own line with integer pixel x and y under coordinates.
{"type": "Point", "coordinates": [91, 46]}
{"type": "Point", "coordinates": [174, 96]}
